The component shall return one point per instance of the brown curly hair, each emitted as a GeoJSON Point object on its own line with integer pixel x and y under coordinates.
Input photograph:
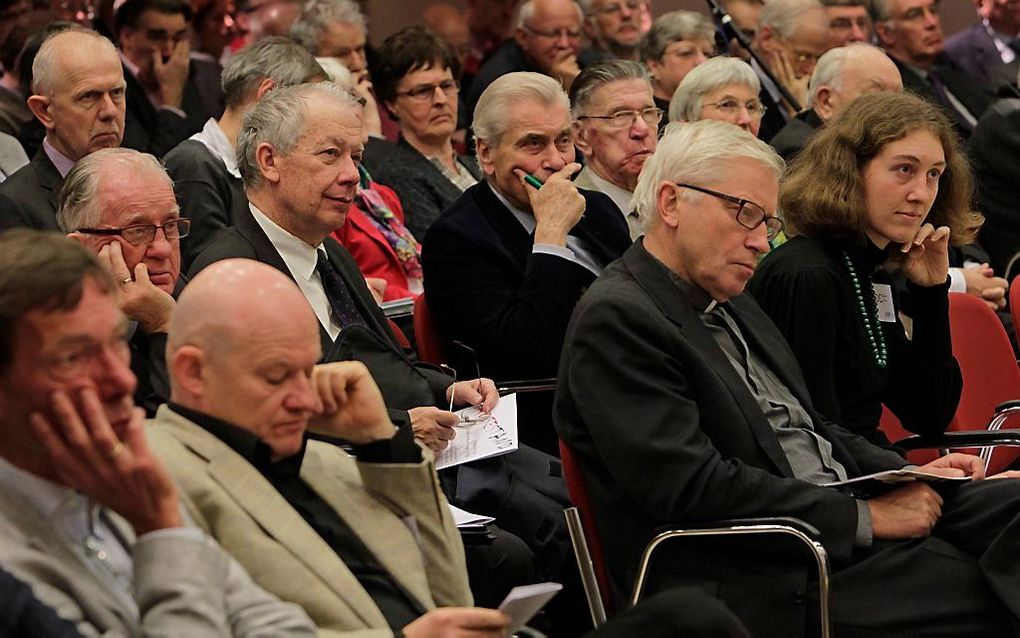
{"type": "Point", "coordinates": [823, 192]}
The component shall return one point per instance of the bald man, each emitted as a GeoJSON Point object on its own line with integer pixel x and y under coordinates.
{"type": "Point", "coordinates": [360, 544]}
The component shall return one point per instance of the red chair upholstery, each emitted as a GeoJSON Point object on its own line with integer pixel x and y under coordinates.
{"type": "Point", "coordinates": [990, 373]}
{"type": "Point", "coordinates": [894, 431]}
{"type": "Point", "coordinates": [398, 334]}
{"type": "Point", "coordinates": [426, 334]}
{"type": "Point", "coordinates": [1014, 301]}
{"type": "Point", "coordinates": [578, 491]}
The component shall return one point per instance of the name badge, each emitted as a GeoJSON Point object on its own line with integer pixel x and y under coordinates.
{"type": "Point", "coordinates": [883, 302]}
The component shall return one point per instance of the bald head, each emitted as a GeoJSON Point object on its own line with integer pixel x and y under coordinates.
{"type": "Point", "coordinates": [846, 73]}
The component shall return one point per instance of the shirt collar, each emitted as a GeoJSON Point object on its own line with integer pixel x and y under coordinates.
{"type": "Point", "coordinates": [526, 219]}
{"type": "Point", "coordinates": [213, 137]}
{"type": "Point", "coordinates": [246, 444]}
{"type": "Point", "coordinates": [132, 68]}
{"type": "Point", "coordinates": [44, 495]}
{"type": "Point", "coordinates": [620, 196]}
{"type": "Point", "coordinates": [62, 162]}
{"type": "Point", "coordinates": [299, 256]}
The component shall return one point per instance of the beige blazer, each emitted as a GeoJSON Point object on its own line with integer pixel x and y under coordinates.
{"type": "Point", "coordinates": [382, 503]}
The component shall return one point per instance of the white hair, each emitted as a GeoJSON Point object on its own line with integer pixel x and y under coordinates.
{"type": "Point", "coordinates": [685, 106]}
{"type": "Point", "coordinates": [697, 153]}
{"type": "Point", "coordinates": [77, 202]}
{"type": "Point", "coordinates": [528, 9]}
{"type": "Point", "coordinates": [782, 15]}
{"type": "Point", "coordinates": [45, 74]}
{"type": "Point", "coordinates": [829, 70]}
{"type": "Point", "coordinates": [336, 72]}
{"type": "Point", "coordinates": [492, 113]}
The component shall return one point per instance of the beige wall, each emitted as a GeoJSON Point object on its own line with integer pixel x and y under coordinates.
{"type": "Point", "coordinates": [389, 16]}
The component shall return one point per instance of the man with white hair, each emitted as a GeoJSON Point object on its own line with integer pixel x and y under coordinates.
{"type": "Point", "coordinates": [791, 36]}
{"type": "Point", "coordinates": [842, 75]}
{"type": "Point", "coordinates": [615, 27]}
{"type": "Point", "coordinates": [615, 127]}
{"type": "Point", "coordinates": [546, 39]}
{"type": "Point", "coordinates": [910, 31]}
{"type": "Point", "coordinates": [69, 65]}
{"type": "Point", "coordinates": [668, 364]}
{"type": "Point", "coordinates": [505, 264]}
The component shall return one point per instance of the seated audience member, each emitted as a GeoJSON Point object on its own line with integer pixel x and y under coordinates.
{"type": "Point", "coordinates": [723, 89]}
{"type": "Point", "coordinates": [994, 149]}
{"type": "Point", "coordinates": [374, 233]}
{"type": "Point", "coordinates": [490, 22]}
{"type": "Point", "coordinates": [120, 204]}
{"type": "Point", "coordinates": [22, 614]}
{"type": "Point", "coordinates": [297, 153]}
{"type": "Point", "coordinates": [842, 75]}
{"type": "Point", "coordinates": [168, 97]}
{"type": "Point", "coordinates": [884, 183]}
{"type": "Point", "coordinates": [745, 15]}
{"type": "Point", "coordinates": [451, 25]}
{"type": "Point", "coordinates": [849, 22]}
{"type": "Point", "coordinates": [677, 42]}
{"type": "Point", "coordinates": [204, 167]}
{"type": "Point", "coordinates": [12, 156]}
{"type": "Point", "coordinates": [91, 518]}
{"type": "Point", "coordinates": [506, 263]}
{"type": "Point", "coordinates": [546, 40]}
{"type": "Point", "coordinates": [68, 65]}
{"type": "Point", "coordinates": [791, 36]}
{"type": "Point", "coordinates": [986, 51]}
{"type": "Point", "coordinates": [213, 26]}
{"type": "Point", "coordinates": [316, 526]}
{"type": "Point", "coordinates": [337, 29]}
{"type": "Point", "coordinates": [257, 19]}
{"type": "Point", "coordinates": [417, 81]}
{"type": "Point", "coordinates": [615, 128]}
{"type": "Point", "coordinates": [615, 28]}
{"type": "Point", "coordinates": [910, 31]}
{"type": "Point", "coordinates": [666, 364]}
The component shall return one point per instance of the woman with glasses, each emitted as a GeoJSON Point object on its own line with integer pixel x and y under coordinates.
{"type": "Point", "coordinates": [723, 89]}
{"type": "Point", "coordinates": [677, 43]}
{"type": "Point", "coordinates": [881, 189]}
{"type": "Point", "coordinates": [417, 81]}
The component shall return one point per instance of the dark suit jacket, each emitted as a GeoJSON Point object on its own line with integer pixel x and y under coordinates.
{"type": "Point", "coordinates": [423, 189]}
{"type": "Point", "coordinates": [972, 93]}
{"type": "Point", "coordinates": [994, 151]}
{"type": "Point", "coordinates": [404, 382]}
{"type": "Point", "coordinates": [29, 196]}
{"type": "Point", "coordinates": [156, 131]}
{"type": "Point", "coordinates": [973, 51]}
{"type": "Point", "coordinates": [795, 135]}
{"type": "Point", "coordinates": [488, 290]}
{"type": "Point", "coordinates": [665, 430]}
{"type": "Point", "coordinates": [775, 117]}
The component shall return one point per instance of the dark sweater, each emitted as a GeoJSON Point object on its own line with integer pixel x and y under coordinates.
{"type": "Point", "coordinates": [805, 287]}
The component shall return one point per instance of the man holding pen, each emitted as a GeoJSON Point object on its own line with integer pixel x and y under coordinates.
{"type": "Point", "coordinates": [505, 264]}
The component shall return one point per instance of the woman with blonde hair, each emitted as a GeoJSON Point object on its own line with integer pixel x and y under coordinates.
{"type": "Point", "coordinates": [880, 191]}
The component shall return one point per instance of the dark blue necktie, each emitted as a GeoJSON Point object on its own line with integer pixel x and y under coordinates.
{"type": "Point", "coordinates": [939, 87]}
{"type": "Point", "coordinates": [339, 295]}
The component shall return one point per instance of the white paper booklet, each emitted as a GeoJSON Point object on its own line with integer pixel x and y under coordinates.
{"type": "Point", "coordinates": [480, 435]}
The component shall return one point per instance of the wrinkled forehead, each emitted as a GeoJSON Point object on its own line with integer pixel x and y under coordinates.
{"type": "Point", "coordinates": [136, 196]}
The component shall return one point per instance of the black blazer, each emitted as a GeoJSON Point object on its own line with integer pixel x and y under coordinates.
{"type": "Point", "coordinates": [156, 131]}
{"type": "Point", "coordinates": [404, 382]}
{"type": "Point", "coordinates": [973, 52]}
{"type": "Point", "coordinates": [28, 198]}
{"type": "Point", "coordinates": [977, 96]}
{"type": "Point", "coordinates": [665, 430]}
{"type": "Point", "coordinates": [795, 135]}
{"type": "Point", "coordinates": [994, 152]}
{"type": "Point", "coordinates": [774, 119]}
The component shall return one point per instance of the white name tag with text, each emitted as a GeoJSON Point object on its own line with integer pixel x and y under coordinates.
{"type": "Point", "coordinates": [883, 302]}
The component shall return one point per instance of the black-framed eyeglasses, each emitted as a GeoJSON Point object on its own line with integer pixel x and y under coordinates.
{"type": "Point", "coordinates": [141, 234]}
{"type": "Point", "coordinates": [749, 215]}
{"type": "Point", "coordinates": [626, 119]}
{"type": "Point", "coordinates": [424, 92]}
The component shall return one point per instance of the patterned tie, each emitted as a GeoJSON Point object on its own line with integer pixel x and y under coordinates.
{"type": "Point", "coordinates": [339, 296]}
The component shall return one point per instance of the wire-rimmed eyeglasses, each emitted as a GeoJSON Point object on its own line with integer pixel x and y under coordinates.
{"type": "Point", "coordinates": [141, 234]}
{"type": "Point", "coordinates": [749, 215]}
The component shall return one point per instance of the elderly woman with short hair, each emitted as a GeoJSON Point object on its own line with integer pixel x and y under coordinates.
{"type": "Point", "coordinates": [723, 89]}
{"type": "Point", "coordinates": [677, 43]}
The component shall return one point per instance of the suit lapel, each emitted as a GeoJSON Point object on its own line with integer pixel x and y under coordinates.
{"type": "Point", "coordinates": [596, 228]}
{"type": "Point", "coordinates": [260, 500]}
{"type": "Point", "coordinates": [47, 174]}
{"type": "Point", "coordinates": [655, 279]}
{"type": "Point", "coordinates": [518, 241]}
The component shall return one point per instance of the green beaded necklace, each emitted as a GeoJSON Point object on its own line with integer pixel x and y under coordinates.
{"type": "Point", "coordinates": [871, 325]}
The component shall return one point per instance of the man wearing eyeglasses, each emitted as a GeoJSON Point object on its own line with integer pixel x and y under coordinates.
{"type": "Point", "coordinates": [120, 204]}
{"type": "Point", "coordinates": [164, 103]}
{"type": "Point", "coordinates": [910, 31]}
{"type": "Point", "coordinates": [547, 40]}
{"type": "Point", "coordinates": [683, 404]}
{"type": "Point", "coordinates": [615, 27]}
{"type": "Point", "coordinates": [615, 126]}
{"type": "Point", "coordinates": [791, 36]}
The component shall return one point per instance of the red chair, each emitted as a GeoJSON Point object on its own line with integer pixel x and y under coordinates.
{"type": "Point", "coordinates": [426, 334]}
{"type": "Point", "coordinates": [398, 334]}
{"type": "Point", "coordinates": [1014, 301]}
{"type": "Point", "coordinates": [894, 431]}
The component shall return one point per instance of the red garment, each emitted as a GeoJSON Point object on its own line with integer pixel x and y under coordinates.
{"type": "Point", "coordinates": [374, 255]}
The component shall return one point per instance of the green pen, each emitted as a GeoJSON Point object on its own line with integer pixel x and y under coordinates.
{"type": "Point", "coordinates": [534, 181]}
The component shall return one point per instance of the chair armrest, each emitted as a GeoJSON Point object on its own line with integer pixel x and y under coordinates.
{"type": "Point", "coordinates": [970, 438]}
{"type": "Point", "coordinates": [730, 523]}
{"type": "Point", "coordinates": [1007, 405]}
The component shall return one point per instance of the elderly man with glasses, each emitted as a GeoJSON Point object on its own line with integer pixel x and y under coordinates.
{"type": "Point", "coordinates": [120, 204]}
{"type": "Point", "coordinates": [615, 27]}
{"type": "Point", "coordinates": [615, 127]}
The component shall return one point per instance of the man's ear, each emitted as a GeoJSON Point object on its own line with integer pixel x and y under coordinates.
{"type": "Point", "coordinates": [266, 158]}
{"type": "Point", "coordinates": [521, 37]}
{"type": "Point", "coordinates": [885, 32]}
{"type": "Point", "coordinates": [765, 38]}
{"type": "Point", "coordinates": [187, 366]}
{"type": "Point", "coordinates": [823, 103]}
{"type": "Point", "coordinates": [40, 107]}
{"type": "Point", "coordinates": [668, 204]}
{"type": "Point", "coordinates": [581, 138]}
{"type": "Point", "coordinates": [265, 86]}
{"type": "Point", "coordinates": [484, 152]}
